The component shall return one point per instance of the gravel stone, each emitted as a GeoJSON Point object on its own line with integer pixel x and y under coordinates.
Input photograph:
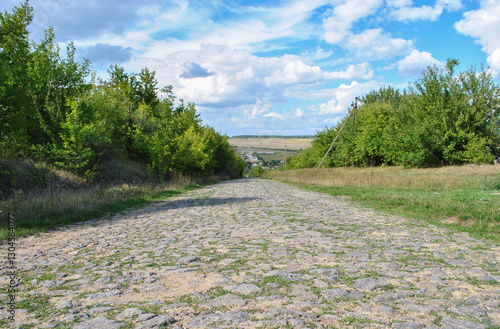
{"type": "Point", "coordinates": [157, 322]}
{"type": "Point", "coordinates": [188, 259]}
{"type": "Point", "coordinates": [228, 300]}
{"type": "Point", "coordinates": [129, 313]}
{"type": "Point", "coordinates": [227, 318]}
{"type": "Point", "coordinates": [368, 284]}
{"type": "Point", "coordinates": [99, 323]}
{"type": "Point", "coordinates": [70, 304]}
{"type": "Point", "coordinates": [333, 294]}
{"type": "Point", "coordinates": [243, 289]}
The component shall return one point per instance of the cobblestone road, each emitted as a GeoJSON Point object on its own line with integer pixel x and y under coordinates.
{"type": "Point", "coordinates": [255, 253]}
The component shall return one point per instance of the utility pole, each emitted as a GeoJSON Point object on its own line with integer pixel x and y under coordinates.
{"type": "Point", "coordinates": [355, 107]}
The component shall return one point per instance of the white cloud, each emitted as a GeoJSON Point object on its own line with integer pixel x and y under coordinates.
{"type": "Point", "coordinates": [406, 14]}
{"type": "Point", "coordinates": [483, 24]}
{"type": "Point", "coordinates": [361, 70]}
{"type": "Point", "coordinates": [494, 61]}
{"type": "Point", "coordinates": [353, 10]}
{"type": "Point", "coordinates": [337, 27]}
{"type": "Point", "coordinates": [336, 30]}
{"type": "Point", "coordinates": [294, 71]}
{"type": "Point", "coordinates": [317, 54]}
{"type": "Point", "coordinates": [450, 5]}
{"type": "Point", "coordinates": [414, 63]}
{"type": "Point", "coordinates": [258, 109]}
{"type": "Point", "coordinates": [299, 113]}
{"type": "Point", "coordinates": [399, 3]}
{"type": "Point", "coordinates": [371, 44]}
{"type": "Point", "coordinates": [73, 20]}
{"type": "Point", "coordinates": [374, 44]}
{"type": "Point", "coordinates": [344, 95]}
{"type": "Point", "coordinates": [274, 115]}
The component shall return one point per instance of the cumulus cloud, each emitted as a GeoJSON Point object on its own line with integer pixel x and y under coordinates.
{"type": "Point", "coordinates": [298, 113]}
{"type": "Point", "coordinates": [483, 25]}
{"type": "Point", "coordinates": [344, 95]}
{"type": "Point", "coordinates": [356, 71]}
{"type": "Point", "coordinates": [258, 109]}
{"type": "Point", "coordinates": [406, 13]}
{"type": "Point", "coordinates": [294, 71]}
{"type": "Point", "coordinates": [104, 54]}
{"type": "Point", "coordinates": [337, 26]}
{"type": "Point", "coordinates": [83, 19]}
{"type": "Point", "coordinates": [317, 54]}
{"type": "Point", "coordinates": [450, 5]}
{"type": "Point", "coordinates": [414, 63]}
{"type": "Point", "coordinates": [195, 71]}
{"type": "Point", "coordinates": [374, 44]}
{"type": "Point", "coordinates": [274, 115]}
{"type": "Point", "coordinates": [399, 3]}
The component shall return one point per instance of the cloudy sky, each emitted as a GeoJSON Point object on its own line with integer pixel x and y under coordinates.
{"type": "Point", "coordinates": [274, 67]}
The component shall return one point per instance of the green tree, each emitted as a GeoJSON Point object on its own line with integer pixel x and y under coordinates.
{"type": "Point", "coordinates": [256, 171]}
{"type": "Point", "coordinates": [35, 82]}
{"type": "Point", "coordinates": [15, 53]}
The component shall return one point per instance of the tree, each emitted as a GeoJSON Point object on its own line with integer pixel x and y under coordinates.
{"type": "Point", "coordinates": [35, 83]}
{"type": "Point", "coordinates": [14, 78]}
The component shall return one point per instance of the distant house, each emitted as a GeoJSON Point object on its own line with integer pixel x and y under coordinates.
{"type": "Point", "coordinates": [250, 157]}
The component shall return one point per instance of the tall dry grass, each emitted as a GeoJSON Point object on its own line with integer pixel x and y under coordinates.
{"type": "Point", "coordinates": [434, 179]}
{"type": "Point", "coordinates": [42, 209]}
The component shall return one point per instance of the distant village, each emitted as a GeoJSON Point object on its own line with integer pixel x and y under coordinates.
{"type": "Point", "coordinates": [253, 158]}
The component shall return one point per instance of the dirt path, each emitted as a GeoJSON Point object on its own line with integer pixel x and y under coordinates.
{"type": "Point", "coordinates": [254, 253]}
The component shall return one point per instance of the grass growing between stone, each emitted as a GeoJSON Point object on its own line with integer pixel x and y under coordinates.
{"type": "Point", "coordinates": [43, 210]}
{"type": "Point", "coordinates": [466, 199]}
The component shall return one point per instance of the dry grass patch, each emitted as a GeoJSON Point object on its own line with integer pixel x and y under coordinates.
{"type": "Point", "coordinates": [64, 199]}
{"type": "Point", "coordinates": [435, 179]}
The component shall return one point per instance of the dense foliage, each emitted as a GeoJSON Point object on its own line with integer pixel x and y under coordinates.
{"type": "Point", "coordinates": [52, 107]}
{"type": "Point", "coordinates": [443, 118]}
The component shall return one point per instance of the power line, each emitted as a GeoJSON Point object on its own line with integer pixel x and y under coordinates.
{"type": "Point", "coordinates": [355, 107]}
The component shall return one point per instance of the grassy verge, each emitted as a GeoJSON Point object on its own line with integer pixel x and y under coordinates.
{"type": "Point", "coordinates": [42, 210]}
{"type": "Point", "coordinates": [465, 199]}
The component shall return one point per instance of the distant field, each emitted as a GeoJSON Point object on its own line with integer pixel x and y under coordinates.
{"type": "Point", "coordinates": [271, 143]}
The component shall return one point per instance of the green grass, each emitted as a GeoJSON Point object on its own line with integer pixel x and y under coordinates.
{"type": "Point", "coordinates": [276, 279]}
{"type": "Point", "coordinates": [217, 291]}
{"type": "Point", "coordinates": [46, 210]}
{"type": "Point", "coordinates": [464, 199]}
{"type": "Point", "coordinates": [476, 211]}
{"type": "Point", "coordinates": [39, 305]}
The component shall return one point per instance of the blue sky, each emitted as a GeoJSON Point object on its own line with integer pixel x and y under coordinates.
{"type": "Point", "coordinates": [275, 67]}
